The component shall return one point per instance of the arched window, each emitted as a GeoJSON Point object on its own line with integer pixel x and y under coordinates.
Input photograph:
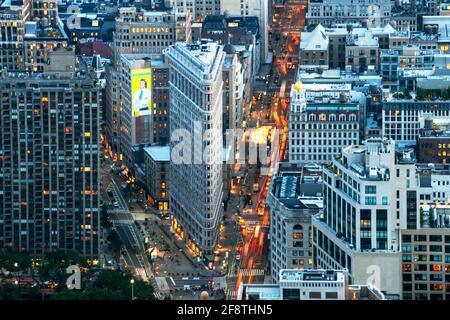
{"type": "Point", "coordinates": [322, 117]}
{"type": "Point", "coordinates": [342, 117]}
{"type": "Point", "coordinates": [332, 117]}
{"type": "Point", "coordinates": [312, 117]}
{"type": "Point", "coordinates": [298, 227]}
{"type": "Point", "coordinates": [352, 117]}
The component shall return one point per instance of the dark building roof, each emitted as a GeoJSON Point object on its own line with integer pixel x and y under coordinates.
{"type": "Point", "coordinates": [223, 23]}
{"type": "Point", "coordinates": [214, 23]}
{"type": "Point", "coordinates": [229, 49]}
{"type": "Point", "coordinates": [292, 193]}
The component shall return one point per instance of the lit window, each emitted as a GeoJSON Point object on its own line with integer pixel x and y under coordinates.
{"type": "Point", "coordinates": [437, 267]}
{"type": "Point", "coordinates": [297, 235]}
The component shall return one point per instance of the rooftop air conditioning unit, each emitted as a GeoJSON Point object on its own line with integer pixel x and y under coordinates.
{"type": "Point", "coordinates": [373, 172]}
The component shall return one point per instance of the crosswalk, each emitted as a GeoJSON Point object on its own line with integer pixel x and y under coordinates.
{"type": "Point", "coordinates": [252, 272]}
{"type": "Point", "coordinates": [252, 223]}
{"type": "Point", "coordinates": [158, 295]}
{"type": "Point", "coordinates": [122, 222]}
{"type": "Point", "coordinates": [230, 294]}
{"type": "Point", "coordinates": [247, 272]}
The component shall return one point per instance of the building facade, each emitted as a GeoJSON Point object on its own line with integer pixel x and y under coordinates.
{"type": "Point", "coordinates": [403, 118]}
{"type": "Point", "coordinates": [291, 205]}
{"type": "Point", "coordinates": [27, 37]}
{"type": "Point", "coordinates": [141, 34]}
{"type": "Point", "coordinates": [370, 194]}
{"type": "Point", "coordinates": [426, 264]}
{"type": "Point", "coordinates": [330, 12]}
{"type": "Point", "coordinates": [322, 120]}
{"type": "Point", "coordinates": [157, 165]}
{"type": "Point", "coordinates": [196, 105]}
{"type": "Point", "coordinates": [50, 160]}
{"type": "Point", "coordinates": [310, 285]}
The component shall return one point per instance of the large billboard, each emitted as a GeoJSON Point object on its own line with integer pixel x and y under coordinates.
{"type": "Point", "coordinates": [141, 92]}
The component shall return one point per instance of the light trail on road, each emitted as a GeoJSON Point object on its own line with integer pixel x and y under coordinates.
{"type": "Point", "coordinates": [284, 64]}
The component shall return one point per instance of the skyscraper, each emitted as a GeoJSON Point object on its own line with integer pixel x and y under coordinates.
{"type": "Point", "coordinates": [196, 98]}
{"type": "Point", "coordinates": [144, 34]}
{"type": "Point", "coordinates": [370, 194]}
{"type": "Point", "coordinates": [49, 158]}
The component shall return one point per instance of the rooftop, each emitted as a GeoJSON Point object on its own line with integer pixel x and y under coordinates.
{"type": "Point", "coordinates": [298, 279]}
{"type": "Point", "coordinates": [289, 189]}
{"type": "Point", "coordinates": [158, 153]}
{"type": "Point", "coordinates": [33, 31]}
{"type": "Point", "coordinates": [371, 161]}
{"type": "Point", "coordinates": [315, 40]}
{"type": "Point", "coordinates": [263, 291]}
{"type": "Point", "coordinates": [333, 107]}
{"type": "Point", "coordinates": [312, 275]}
{"type": "Point", "coordinates": [203, 51]}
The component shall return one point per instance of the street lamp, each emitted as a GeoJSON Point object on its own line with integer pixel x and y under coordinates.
{"type": "Point", "coordinates": [132, 289]}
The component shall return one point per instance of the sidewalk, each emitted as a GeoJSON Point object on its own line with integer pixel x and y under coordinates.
{"type": "Point", "coordinates": [189, 266]}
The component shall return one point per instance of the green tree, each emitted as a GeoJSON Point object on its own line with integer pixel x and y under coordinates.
{"type": "Point", "coordinates": [104, 294]}
{"type": "Point", "coordinates": [422, 219]}
{"type": "Point", "coordinates": [419, 93]}
{"type": "Point", "coordinates": [104, 221]}
{"type": "Point", "coordinates": [68, 294]}
{"type": "Point", "coordinates": [115, 281]}
{"type": "Point", "coordinates": [431, 217]}
{"type": "Point", "coordinates": [54, 265]}
{"type": "Point", "coordinates": [9, 291]}
{"type": "Point", "coordinates": [143, 291]}
{"type": "Point", "coordinates": [407, 93]}
{"type": "Point", "coordinates": [14, 260]}
{"type": "Point", "coordinates": [116, 243]}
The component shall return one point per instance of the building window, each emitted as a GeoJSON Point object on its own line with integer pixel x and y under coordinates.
{"type": "Point", "coordinates": [371, 200]}
{"type": "Point", "coordinates": [291, 294]}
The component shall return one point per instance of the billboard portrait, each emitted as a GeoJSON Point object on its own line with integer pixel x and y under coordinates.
{"type": "Point", "coordinates": [141, 92]}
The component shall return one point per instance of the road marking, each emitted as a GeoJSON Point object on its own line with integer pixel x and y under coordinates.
{"type": "Point", "coordinates": [158, 295]}
{"type": "Point", "coordinates": [252, 272]}
{"type": "Point", "coordinates": [122, 222]}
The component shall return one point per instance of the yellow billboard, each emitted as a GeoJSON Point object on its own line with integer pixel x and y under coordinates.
{"type": "Point", "coordinates": [141, 92]}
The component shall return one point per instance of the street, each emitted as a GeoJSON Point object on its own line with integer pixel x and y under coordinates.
{"type": "Point", "coordinates": [248, 261]}
{"type": "Point", "coordinates": [242, 251]}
